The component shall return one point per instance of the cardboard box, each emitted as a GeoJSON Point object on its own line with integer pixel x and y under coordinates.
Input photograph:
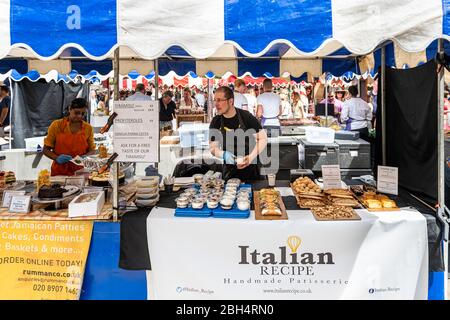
{"type": "Point", "coordinates": [89, 208]}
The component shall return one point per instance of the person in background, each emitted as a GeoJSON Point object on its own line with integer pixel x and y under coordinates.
{"type": "Point", "coordinates": [166, 110]}
{"type": "Point", "coordinates": [140, 94]}
{"type": "Point", "coordinates": [309, 95]}
{"type": "Point", "coordinates": [177, 95]}
{"type": "Point", "coordinates": [200, 98]}
{"type": "Point", "coordinates": [186, 100]}
{"type": "Point", "coordinates": [286, 109]}
{"type": "Point", "coordinates": [337, 104]}
{"type": "Point", "coordinates": [447, 112]}
{"type": "Point", "coordinates": [69, 137]}
{"type": "Point", "coordinates": [93, 101]}
{"type": "Point", "coordinates": [251, 100]}
{"type": "Point", "coordinates": [149, 93]}
{"type": "Point", "coordinates": [5, 106]}
{"type": "Point", "coordinates": [269, 109]}
{"type": "Point", "coordinates": [374, 99]}
{"type": "Point", "coordinates": [205, 95]}
{"type": "Point", "coordinates": [340, 95]}
{"type": "Point", "coordinates": [256, 91]}
{"type": "Point", "coordinates": [101, 105]}
{"type": "Point", "coordinates": [356, 114]}
{"type": "Point", "coordinates": [297, 106]}
{"type": "Point", "coordinates": [240, 101]}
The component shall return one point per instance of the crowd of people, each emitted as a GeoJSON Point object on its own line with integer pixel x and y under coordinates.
{"type": "Point", "coordinates": [266, 103]}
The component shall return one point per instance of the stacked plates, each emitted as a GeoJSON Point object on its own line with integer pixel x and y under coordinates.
{"type": "Point", "coordinates": [147, 193]}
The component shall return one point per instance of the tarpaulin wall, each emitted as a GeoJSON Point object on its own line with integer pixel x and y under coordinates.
{"type": "Point", "coordinates": [36, 104]}
{"type": "Point", "coordinates": [411, 128]}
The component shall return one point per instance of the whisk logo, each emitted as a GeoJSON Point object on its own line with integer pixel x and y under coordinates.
{"type": "Point", "coordinates": [294, 242]}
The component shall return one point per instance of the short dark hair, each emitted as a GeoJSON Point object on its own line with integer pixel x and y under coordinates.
{"type": "Point", "coordinates": [353, 91]}
{"type": "Point", "coordinates": [140, 87]}
{"type": "Point", "coordinates": [167, 94]}
{"type": "Point", "coordinates": [227, 92]}
{"type": "Point", "coordinates": [4, 89]}
{"type": "Point", "coordinates": [79, 103]}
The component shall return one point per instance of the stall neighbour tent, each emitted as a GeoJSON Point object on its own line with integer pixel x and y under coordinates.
{"type": "Point", "coordinates": [212, 37]}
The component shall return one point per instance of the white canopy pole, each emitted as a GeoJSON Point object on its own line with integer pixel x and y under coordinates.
{"type": "Point", "coordinates": [156, 99]}
{"type": "Point", "coordinates": [156, 80]}
{"type": "Point", "coordinates": [115, 166]}
{"type": "Point", "coordinates": [441, 163]}
{"type": "Point", "coordinates": [383, 104]}
{"type": "Point", "coordinates": [326, 100]}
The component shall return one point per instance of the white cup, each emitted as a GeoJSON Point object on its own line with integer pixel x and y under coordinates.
{"type": "Point", "coordinates": [271, 179]}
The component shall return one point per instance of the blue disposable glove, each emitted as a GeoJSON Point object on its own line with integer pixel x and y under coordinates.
{"type": "Point", "coordinates": [63, 158]}
{"type": "Point", "coordinates": [228, 157]}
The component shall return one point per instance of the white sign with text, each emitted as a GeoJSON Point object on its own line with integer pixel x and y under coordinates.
{"type": "Point", "coordinates": [136, 131]}
{"type": "Point", "coordinates": [331, 175]}
{"type": "Point", "coordinates": [387, 181]}
{"type": "Point", "coordinates": [7, 196]}
{"type": "Point", "coordinates": [20, 204]}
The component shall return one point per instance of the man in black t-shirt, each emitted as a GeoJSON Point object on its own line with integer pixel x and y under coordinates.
{"type": "Point", "coordinates": [5, 106]}
{"type": "Point", "coordinates": [236, 136]}
{"type": "Point", "coordinates": [166, 110]}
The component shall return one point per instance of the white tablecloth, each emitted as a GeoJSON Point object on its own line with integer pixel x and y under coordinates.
{"type": "Point", "coordinates": [382, 256]}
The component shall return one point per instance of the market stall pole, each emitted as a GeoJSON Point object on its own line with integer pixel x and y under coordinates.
{"type": "Point", "coordinates": [383, 104]}
{"type": "Point", "coordinates": [326, 100]}
{"type": "Point", "coordinates": [441, 159]}
{"type": "Point", "coordinates": [209, 104]}
{"type": "Point", "coordinates": [115, 166]}
{"type": "Point", "coordinates": [156, 99]}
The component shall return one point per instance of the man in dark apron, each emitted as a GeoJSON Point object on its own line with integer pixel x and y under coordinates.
{"type": "Point", "coordinates": [237, 137]}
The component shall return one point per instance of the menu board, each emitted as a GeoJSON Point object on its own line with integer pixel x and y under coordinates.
{"type": "Point", "coordinates": [331, 177]}
{"type": "Point", "coordinates": [136, 131]}
{"type": "Point", "coordinates": [387, 180]}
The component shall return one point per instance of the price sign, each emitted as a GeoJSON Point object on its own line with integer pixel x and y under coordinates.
{"type": "Point", "coordinates": [331, 177]}
{"type": "Point", "coordinates": [7, 196]}
{"type": "Point", "coordinates": [136, 131]}
{"type": "Point", "coordinates": [20, 204]}
{"type": "Point", "coordinates": [387, 181]}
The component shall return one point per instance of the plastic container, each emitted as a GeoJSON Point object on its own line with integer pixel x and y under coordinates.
{"type": "Point", "coordinates": [32, 143]}
{"type": "Point", "coordinates": [319, 135]}
{"type": "Point", "coordinates": [194, 135]}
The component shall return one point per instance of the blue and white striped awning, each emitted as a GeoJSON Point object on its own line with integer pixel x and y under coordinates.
{"type": "Point", "coordinates": [202, 27]}
{"type": "Point", "coordinates": [212, 37]}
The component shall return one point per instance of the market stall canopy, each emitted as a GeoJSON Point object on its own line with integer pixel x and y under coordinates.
{"type": "Point", "coordinates": [214, 29]}
{"type": "Point", "coordinates": [202, 27]}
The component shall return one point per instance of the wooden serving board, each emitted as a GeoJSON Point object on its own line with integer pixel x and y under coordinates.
{"type": "Point", "coordinates": [354, 217]}
{"type": "Point", "coordinates": [259, 216]}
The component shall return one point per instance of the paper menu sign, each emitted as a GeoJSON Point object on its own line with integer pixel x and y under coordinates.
{"type": "Point", "coordinates": [387, 181]}
{"type": "Point", "coordinates": [331, 175]}
{"type": "Point", "coordinates": [136, 131]}
{"type": "Point", "coordinates": [7, 196]}
{"type": "Point", "coordinates": [20, 204]}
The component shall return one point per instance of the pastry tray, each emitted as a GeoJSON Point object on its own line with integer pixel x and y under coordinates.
{"type": "Point", "coordinates": [234, 212]}
{"type": "Point", "coordinates": [259, 216]}
{"type": "Point", "coordinates": [325, 199]}
{"type": "Point", "coordinates": [194, 213]}
{"type": "Point", "coordinates": [373, 209]}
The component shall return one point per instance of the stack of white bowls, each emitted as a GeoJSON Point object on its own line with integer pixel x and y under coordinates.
{"type": "Point", "coordinates": [147, 193]}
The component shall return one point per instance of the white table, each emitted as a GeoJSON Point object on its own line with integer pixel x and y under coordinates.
{"type": "Point", "coordinates": [382, 256]}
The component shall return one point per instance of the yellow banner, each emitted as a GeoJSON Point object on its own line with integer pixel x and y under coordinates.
{"type": "Point", "coordinates": [43, 259]}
